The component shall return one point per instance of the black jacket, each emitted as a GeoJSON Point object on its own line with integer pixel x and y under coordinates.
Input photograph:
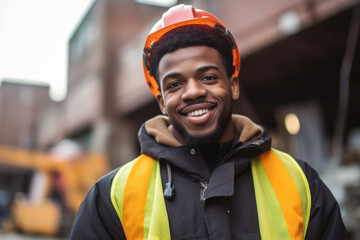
{"type": "Point", "coordinates": [226, 210]}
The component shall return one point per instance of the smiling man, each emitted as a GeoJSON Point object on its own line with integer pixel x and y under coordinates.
{"type": "Point", "coordinates": [203, 172]}
{"type": "Point", "coordinates": [197, 95]}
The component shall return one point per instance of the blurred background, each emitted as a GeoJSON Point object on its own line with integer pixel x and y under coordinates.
{"type": "Point", "coordinates": [77, 116]}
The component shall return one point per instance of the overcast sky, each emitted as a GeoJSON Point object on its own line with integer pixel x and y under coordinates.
{"type": "Point", "coordinates": [33, 40]}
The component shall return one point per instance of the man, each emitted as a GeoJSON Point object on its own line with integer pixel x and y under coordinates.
{"type": "Point", "coordinates": [203, 172]}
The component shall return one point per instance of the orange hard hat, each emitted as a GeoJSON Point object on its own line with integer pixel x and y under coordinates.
{"type": "Point", "coordinates": [179, 16]}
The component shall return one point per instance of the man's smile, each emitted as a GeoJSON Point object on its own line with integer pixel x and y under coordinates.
{"type": "Point", "coordinates": [199, 112]}
{"type": "Point", "coordinates": [197, 108]}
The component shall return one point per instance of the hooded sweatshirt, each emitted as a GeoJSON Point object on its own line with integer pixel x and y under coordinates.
{"type": "Point", "coordinates": [214, 195]}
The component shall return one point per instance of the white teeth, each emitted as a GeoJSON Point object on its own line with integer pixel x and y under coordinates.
{"type": "Point", "coordinates": [197, 113]}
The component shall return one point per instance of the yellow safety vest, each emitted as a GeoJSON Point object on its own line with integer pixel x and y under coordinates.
{"type": "Point", "coordinates": [281, 189]}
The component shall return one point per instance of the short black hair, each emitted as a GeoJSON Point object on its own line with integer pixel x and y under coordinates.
{"type": "Point", "coordinates": [190, 36]}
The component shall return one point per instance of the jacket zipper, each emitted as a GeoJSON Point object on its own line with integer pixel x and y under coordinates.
{"type": "Point", "coordinates": [202, 192]}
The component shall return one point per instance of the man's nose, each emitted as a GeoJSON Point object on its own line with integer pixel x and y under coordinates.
{"type": "Point", "coordinates": [193, 90]}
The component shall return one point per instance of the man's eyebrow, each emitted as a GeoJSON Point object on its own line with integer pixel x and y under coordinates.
{"type": "Point", "coordinates": [205, 68]}
{"type": "Point", "coordinates": [171, 75]}
{"type": "Point", "coordinates": [199, 70]}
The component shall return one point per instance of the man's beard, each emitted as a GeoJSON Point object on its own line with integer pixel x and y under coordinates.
{"type": "Point", "coordinates": [212, 137]}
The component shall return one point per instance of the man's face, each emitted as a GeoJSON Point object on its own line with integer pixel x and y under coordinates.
{"type": "Point", "coordinates": [197, 95]}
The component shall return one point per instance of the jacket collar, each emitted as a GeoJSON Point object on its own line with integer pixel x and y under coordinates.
{"type": "Point", "coordinates": [161, 130]}
{"type": "Point", "coordinates": [156, 140]}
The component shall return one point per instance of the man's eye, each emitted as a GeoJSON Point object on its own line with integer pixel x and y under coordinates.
{"type": "Point", "coordinates": [173, 85]}
{"type": "Point", "coordinates": [209, 77]}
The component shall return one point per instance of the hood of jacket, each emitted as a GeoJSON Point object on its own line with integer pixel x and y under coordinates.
{"type": "Point", "coordinates": [157, 140]}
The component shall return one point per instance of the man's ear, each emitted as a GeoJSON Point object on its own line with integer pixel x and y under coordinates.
{"type": "Point", "coordinates": [161, 103]}
{"type": "Point", "coordinates": [235, 88]}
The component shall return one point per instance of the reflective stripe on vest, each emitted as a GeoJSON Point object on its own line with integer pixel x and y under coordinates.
{"type": "Point", "coordinates": [282, 196]}
{"type": "Point", "coordinates": [281, 189]}
{"type": "Point", "coordinates": [137, 196]}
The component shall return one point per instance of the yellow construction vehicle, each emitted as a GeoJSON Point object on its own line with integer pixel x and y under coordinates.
{"type": "Point", "coordinates": [57, 187]}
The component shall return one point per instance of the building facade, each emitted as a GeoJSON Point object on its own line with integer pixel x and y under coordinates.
{"type": "Point", "coordinates": [20, 104]}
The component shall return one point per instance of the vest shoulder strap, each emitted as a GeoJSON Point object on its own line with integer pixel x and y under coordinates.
{"type": "Point", "coordinates": [282, 196]}
{"type": "Point", "coordinates": [137, 196]}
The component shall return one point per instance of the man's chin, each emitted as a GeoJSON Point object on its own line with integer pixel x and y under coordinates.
{"type": "Point", "coordinates": [212, 135]}
{"type": "Point", "coordinates": [204, 139]}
